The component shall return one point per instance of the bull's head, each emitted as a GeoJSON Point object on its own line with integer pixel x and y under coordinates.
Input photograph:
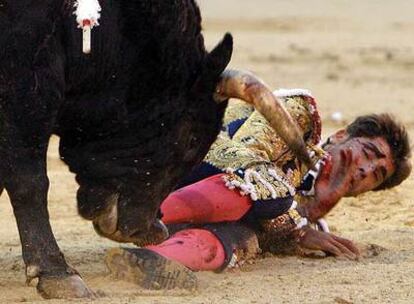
{"type": "Point", "coordinates": [115, 222]}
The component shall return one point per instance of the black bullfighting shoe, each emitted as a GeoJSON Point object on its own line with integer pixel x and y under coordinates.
{"type": "Point", "coordinates": [149, 269]}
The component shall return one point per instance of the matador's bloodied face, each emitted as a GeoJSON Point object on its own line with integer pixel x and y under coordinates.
{"type": "Point", "coordinates": [358, 164]}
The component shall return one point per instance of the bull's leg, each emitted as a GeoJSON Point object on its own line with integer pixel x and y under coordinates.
{"type": "Point", "coordinates": [31, 92]}
{"type": "Point", "coordinates": [27, 188]}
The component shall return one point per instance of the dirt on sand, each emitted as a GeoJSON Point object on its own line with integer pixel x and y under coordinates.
{"type": "Point", "coordinates": [357, 57]}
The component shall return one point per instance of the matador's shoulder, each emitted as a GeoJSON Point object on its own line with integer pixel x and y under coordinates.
{"type": "Point", "coordinates": [250, 146]}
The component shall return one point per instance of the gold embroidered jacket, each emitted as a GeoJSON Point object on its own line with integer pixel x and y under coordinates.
{"type": "Point", "coordinates": [257, 161]}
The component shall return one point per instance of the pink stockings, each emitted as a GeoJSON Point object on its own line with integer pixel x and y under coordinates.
{"type": "Point", "coordinates": [207, 201]}
{"type": "Point", "coordinates": [196, 249]}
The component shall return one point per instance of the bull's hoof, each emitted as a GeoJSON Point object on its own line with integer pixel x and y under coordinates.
{"type": "Point", "coordinates": [149, 269]}
{"type": "Point", "coordinates": [157, 234]}
{"type": "Point", "coordinates": [63, 287]}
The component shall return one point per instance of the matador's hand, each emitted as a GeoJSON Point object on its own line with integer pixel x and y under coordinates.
{"type": "Point", "coordinates": [317, 240]}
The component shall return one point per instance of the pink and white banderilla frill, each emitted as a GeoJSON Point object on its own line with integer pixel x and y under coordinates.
{"type": "Point", "coordinates": [87, 14]}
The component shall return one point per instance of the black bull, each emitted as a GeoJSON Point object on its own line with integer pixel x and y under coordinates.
{"type": "Point", "coordinates": [133, 117]}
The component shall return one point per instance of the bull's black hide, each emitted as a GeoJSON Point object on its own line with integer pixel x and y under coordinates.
{"type": "Point", "coordinates": [133, 117]}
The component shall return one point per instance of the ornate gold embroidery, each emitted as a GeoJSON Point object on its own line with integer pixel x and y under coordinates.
{"type": "Point", "coordinates": [225, 153]}
{"type": "Point", "coordinates": [295, 216]}
{"type": "Point", "coordinates": [277, 235]}
{"type": "Point", "coordinates": [237, 109]}
{"type": "Point", "coordinates": [258, 150]}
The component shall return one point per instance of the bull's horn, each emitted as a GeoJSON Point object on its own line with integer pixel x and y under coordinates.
{"type": "Point", "coordinates": [249, 88]}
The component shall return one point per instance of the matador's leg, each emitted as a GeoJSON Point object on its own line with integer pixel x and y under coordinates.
{"type": "Point", "coordinates": [207, 201]}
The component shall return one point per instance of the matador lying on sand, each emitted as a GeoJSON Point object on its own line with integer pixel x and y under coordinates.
{"type": "Point", "coordinates": [252, 195]}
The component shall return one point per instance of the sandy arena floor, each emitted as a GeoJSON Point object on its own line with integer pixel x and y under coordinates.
{"type": "Point", "coordinates": [357, 57]}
